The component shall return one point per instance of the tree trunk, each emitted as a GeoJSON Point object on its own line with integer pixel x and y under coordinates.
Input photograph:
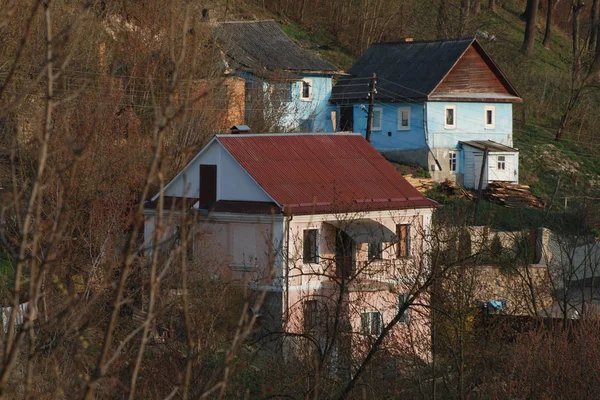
{"type": "Point", "coordinates": [529, 38]}
{"type": "Point", "coordinates": [476, 6]}
{"type": "Point", "coordinates": [442, 17]}
{"type": "Point", "coordinates": [492, 5]}
{"type": "Point", "coordinates": [465, 9]}
{"type": "Point", "coordinates": [548, 32]}
{"type": "Point", "coordinates": [594, 20]}
{"type": "Point", "coordinates": [577, 6]}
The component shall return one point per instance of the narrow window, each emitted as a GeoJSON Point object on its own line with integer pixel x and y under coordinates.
{"type": "Point", "coordinates": [306, 93]}
{"type": "Point", "coordinates": [310, 250]}
{"type": "Point", "coordinates": [375, 250]}
{"type": "Point", "coordinates": [502, 162]}
{"type": "Point", "coordinates": [450, 122]}
{"type": "Point", "coordinates": [403, 233]}
{"type": "Point", "coordinates": [404, 118]}
{"type": "Point", "coordinates": [371, 322]}
{"type": "Point", "coordinates": [311, 315]}
{"type": "Point", "coordinates": [402, 298]}
{"type": "Point", "coordinates": [452, 161]}
{"type": "Point", "coordinates": [376, 121]}
{"type": "Point", "coordinates": [208, 185]}
{"type": "Point", "coordinates": [490, 117]}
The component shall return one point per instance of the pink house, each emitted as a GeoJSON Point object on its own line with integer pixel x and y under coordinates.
{"type": "Point", "coordinates": [322, 222]}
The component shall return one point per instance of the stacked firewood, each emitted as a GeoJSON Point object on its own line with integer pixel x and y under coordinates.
{"type": "Point", "coordinates": [421, 184]}
{"type": "Point", "coordinates": [512, 195]}
{"type": "Point", "coordinates": [453, 189]}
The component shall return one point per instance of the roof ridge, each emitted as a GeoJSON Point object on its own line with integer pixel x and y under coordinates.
{"type": "Point", "coordinates": [288, 134]}
{"type": "Point", "coordinates": [397, 42]}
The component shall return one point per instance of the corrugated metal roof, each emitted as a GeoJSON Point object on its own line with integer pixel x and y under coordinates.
{"type": "Point", "coordinates": [261, 47]}
{"type": "Point", "coordinates": [317, 173]}
{"type": "Point", "coordinates": [492, 146]}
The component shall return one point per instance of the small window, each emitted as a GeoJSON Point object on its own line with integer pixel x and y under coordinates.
{"type": "Point", "coordinates": [404, 118]}
{"type": "Point", "coordinates": [402, 298]}
{"type": "Point", "coordinates": [490, 117]}
{"type": "Point", "coordinates": [307, 90]}
{"type": "Point", "coordinates": [502, 162]}
{"type": "Point", "coordinates": [371, 322]}
{"type": "Point", "coordinates": [376, 121]}
{"type": "Point", "coordinates": [452, 157]}
{"type": "Point", "coordinates": [450, 122]}
{"type": "Point", "coordinates": [375, 250]}
{"type": "Point", "coordinates": [310, 250]}
{"type": "Point", "coordinates": [403, 233]}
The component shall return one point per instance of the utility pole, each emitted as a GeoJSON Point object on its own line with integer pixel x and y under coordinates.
{"type": "Point", "coordinates": [371, 104]}
{"type": "Point", "coordinates": [480, 189]}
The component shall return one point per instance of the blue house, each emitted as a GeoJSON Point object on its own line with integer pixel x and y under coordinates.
{"type": "Point", "coordinates": [287, 88]}
{"type": "Point", "coordinates": [438, 104]}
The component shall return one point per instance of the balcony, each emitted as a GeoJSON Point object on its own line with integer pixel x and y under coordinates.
{"type": "Point", "coordinates": [385, 270]}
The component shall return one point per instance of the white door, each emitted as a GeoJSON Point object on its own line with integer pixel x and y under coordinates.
{"type": "Point", "coordinates": [477, 158]}
{"type": "Point", "coordinates": [502, 167]}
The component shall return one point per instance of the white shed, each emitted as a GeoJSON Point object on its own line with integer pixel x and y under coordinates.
{"type": "Point", "coordinates": [502, 163]}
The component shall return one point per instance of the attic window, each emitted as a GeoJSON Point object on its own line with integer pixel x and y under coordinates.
{"type": "Point", "coordinates": [490, 117]}
{"type": "Point", "coordinates": [450, 113]}
{"type": "Point", "coordinates": [307, 88]}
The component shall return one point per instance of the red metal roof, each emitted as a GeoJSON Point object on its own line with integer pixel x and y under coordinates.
{"type": "Point", "coordinates": [318, 173]}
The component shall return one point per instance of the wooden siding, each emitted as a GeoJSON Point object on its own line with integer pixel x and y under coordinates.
{"type": "Point", "coordinates": [471, 74]}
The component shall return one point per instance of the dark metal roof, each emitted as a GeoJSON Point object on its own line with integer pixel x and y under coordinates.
{"type": "Point", "coordinates": [492, 146]}
{"type": "Point", "coordinates": [411, 71]}
{"type": "Point", "coordinates": [261, 47]}
{"type": "Point", "coordinates": [323, 173]}
{"type": "Point", "coordinates": [408, 70]}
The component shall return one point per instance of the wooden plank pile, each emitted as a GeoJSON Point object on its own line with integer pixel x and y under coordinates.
{"type": "Point", "coordinates": [453, 189]}
{"type": "Point", "coordinates": [512, 195]}
{"type": "Point", "coordinates": [421, 184]}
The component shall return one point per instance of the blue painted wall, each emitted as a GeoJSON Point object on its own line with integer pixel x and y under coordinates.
{"type": "Point", "coordinates": [389, 137]}
{"type": "Point", "coordinates": [297, 114]}
{"type": "Point", "coordinates": [470, 124]}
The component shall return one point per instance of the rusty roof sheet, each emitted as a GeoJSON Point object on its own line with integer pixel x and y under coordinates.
{"type": "Point", "coordinates": [323, 173]}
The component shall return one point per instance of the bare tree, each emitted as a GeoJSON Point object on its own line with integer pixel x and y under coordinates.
{"type": "Point", "coordinates": [530, 28]}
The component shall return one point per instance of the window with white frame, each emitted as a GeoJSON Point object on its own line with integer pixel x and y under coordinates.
{"type": "Point", "coordinates": [371, 322]}
{"type": "Point", "coordinates": [306, 89]}
{"type": "Point", "coordinates": [452, 158]}
{"type": "Point", "coordinates": [312, 314]}
{"type": "Point", "coordinates": [490, 117]}
{"type": "Point", "coordinates": [450, 117]}
{"type": "Point", "coordinates": [502, 163]}
{"type": "Point", "coordinates": [403, 118]}
{"type": "Point", "coordinates": [377, 117]}
{"type": "Point", "coordinates": [375, 250]}
{"type": "Point", "coordinates": [310, 246]}
{"type": "Point", "coordinates": [402, 299]}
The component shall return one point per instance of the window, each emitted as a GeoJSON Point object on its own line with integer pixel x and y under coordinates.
{"type": "Point", "coordinates": [371, 322]}
{"type": "Point", "coordinates": [404, 118]}
{"type": "Point", "coordinates": [208, 185]}
{"type": "Point", "coordinates": [282, 93]}
{"type": "Point", "coordinates": [375, 250]}
{"type": "Point", "coordinates": [376, 121]}
{"type": "Point", "coordinates": [502, 162]}
{"type": "Point", "coordinates": [403, 233]}
{"type": "Point", "coordinates": [450, 122]}
{"type": "Point", "coordinates": [311, 314]}
{"type": "Point", "coordinates": [452, 161]}
{"type": "Point", "coordinates": [307, 90]}
{"type": "Point", "coordinates": [310, 250]}
{"type": "Point", "coordinates": [402, 298]}
{"type": "Point", "coordinates": [490, 117]}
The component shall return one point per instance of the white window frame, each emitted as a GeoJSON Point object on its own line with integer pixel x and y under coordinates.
{"type": "Point", "coordinates": [400, 111]}
{"type": "Point", "coordinates": [449, 126]}
{"type": "Point", "coordinates": [501, 164]}
{"type": "Point", "coordinates": [492, 125]}
{"type": "Point", "coordinates": [308, 81]}
{"type": "Point", "coordinates": [318, 252]}
{"type": "Point", "coordinates": [369, 330]}
{"type": "Point", "coordinates": [453, 161]}
{"type": "Point", "coordinates": [375, 127]}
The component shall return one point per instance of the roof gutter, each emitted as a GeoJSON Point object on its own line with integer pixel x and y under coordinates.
{"type": "Point", "coordinates": [426, 132]}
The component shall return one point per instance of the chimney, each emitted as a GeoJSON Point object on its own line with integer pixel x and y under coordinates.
{"type": "Point", "coordinates": [240, 129]}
